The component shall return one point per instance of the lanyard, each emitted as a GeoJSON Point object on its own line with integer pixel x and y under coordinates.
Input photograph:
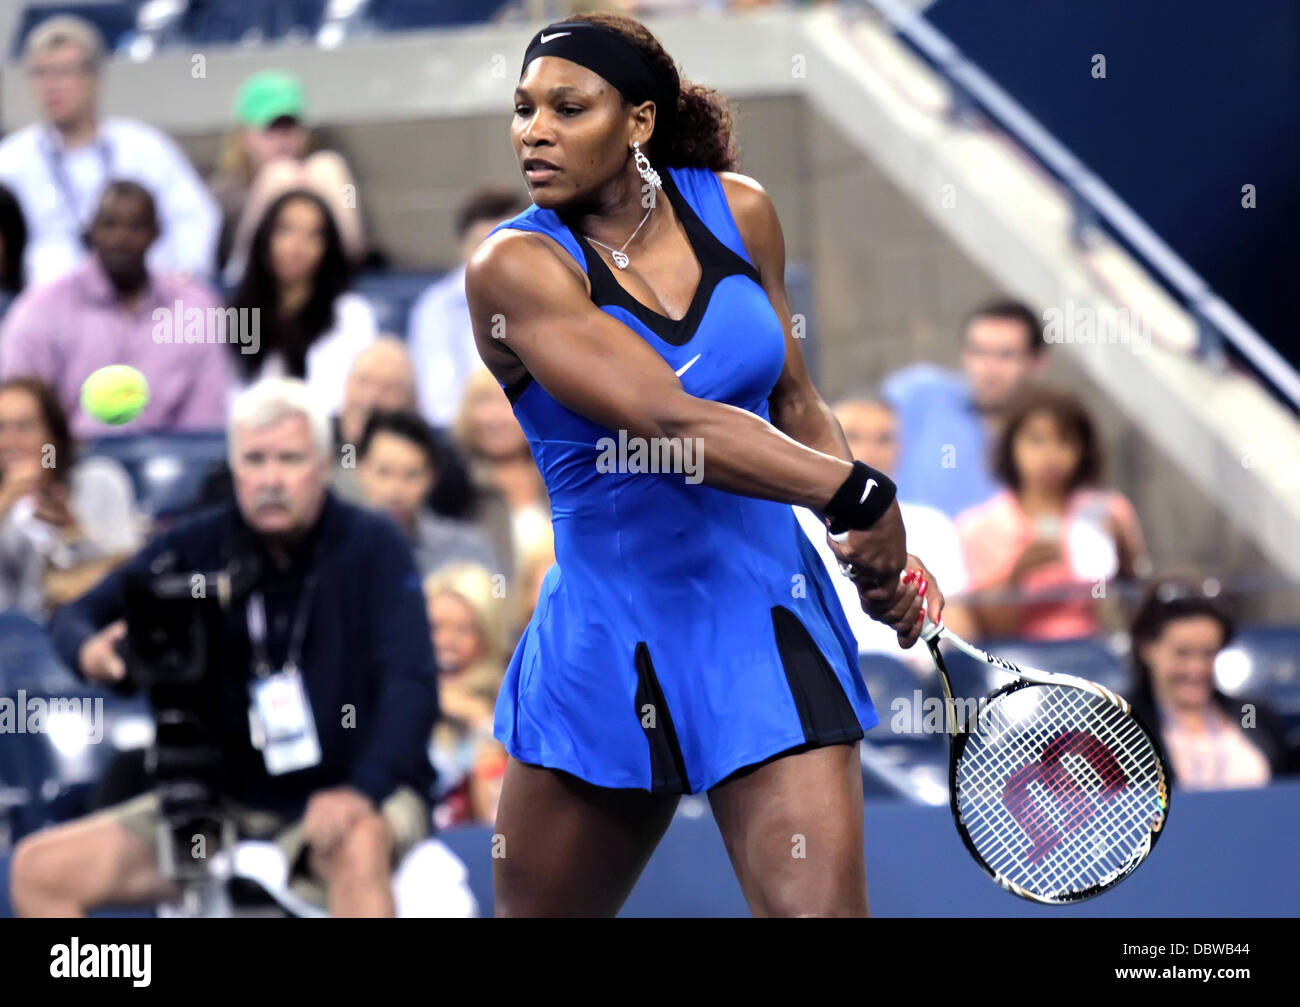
{"type": "Point", "coordinates": [255, 613]}
{"type": "Point", "coordinates": [59, 172]}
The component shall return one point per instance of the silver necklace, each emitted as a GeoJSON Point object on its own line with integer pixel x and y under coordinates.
{"type": "Point", "coordinates": [617, 254]}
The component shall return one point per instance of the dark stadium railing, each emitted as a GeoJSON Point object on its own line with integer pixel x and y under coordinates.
{"type": "Point", "coordinates": [975, 94]}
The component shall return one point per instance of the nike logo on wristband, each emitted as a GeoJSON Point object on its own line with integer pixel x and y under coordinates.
{"type": "Point", "coordinates": [551, 38]}
{"type": "Point", "coordinates": [870, 483]}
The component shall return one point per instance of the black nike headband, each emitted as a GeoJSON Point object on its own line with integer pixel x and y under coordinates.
{"type": "Point", "coordinates": [610, 55]}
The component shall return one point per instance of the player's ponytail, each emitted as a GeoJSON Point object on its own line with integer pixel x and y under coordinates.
{"type": "Point", "coordinates": [701, 133]}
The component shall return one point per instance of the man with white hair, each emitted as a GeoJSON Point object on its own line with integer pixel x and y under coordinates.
{"type": "Point", "coordinates": [58, 166]}
{"type": "Point", "coordinates": [332, 639]}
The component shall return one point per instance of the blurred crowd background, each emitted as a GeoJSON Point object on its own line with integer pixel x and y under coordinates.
{"type": "Point", "coordinates": [1059, 533]}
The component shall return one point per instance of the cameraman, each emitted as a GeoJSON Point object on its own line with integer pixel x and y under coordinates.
{"type": "Point", "coordinates": [334, 631]}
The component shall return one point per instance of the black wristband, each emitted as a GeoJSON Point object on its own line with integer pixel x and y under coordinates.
{"type": "Point", "coordinates": [858, 503]}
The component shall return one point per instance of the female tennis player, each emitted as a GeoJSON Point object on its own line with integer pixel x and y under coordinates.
{"type": "Point", "coordinates": [687, 639]}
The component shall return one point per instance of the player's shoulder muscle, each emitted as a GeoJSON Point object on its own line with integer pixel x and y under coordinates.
{"type": "Point", "coordinates": [755, 215]}
{"type": "Point", "coordinates": [515, 268]}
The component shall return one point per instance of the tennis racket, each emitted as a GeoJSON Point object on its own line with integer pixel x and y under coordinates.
{"type": "Point", "coordinates": [1057, 790]}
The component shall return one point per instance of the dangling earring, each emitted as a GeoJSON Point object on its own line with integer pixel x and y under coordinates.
{"type": "Point", "coordinates": [643, 167]}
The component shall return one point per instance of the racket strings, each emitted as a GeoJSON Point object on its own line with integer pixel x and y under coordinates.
{"type": "Point", "coordinates": [1050, 804]}
{"type": "Point", "coordinates": [1058, 789]}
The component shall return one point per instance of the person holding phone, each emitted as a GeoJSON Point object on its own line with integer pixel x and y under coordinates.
{"type": "Point", "coordinates": [1041, 551]}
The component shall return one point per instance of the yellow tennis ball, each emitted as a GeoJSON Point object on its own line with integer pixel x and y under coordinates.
{"type": "Point", "coordinates": [115, 394]}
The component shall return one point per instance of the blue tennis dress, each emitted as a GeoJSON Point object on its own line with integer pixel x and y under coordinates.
{"type": "Point", "coordinates": [684, 632]}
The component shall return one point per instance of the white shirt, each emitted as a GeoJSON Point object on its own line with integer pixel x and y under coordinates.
{"type": "Point", "coordinates": [931, 537]}
{"type": "Point", "coordinates": [59, 192]}
{"type": "Point", "coordinates": [441, 338]}
{"type": "Point", "coordinates": [331, 355]}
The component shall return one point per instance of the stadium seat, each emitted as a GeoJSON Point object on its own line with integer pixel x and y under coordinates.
{"type": "Point", "coordinates": [115, 21]}
{"type": "Point", "coordinates": [232, 22]}
{"type": "Point", "coordinates": [167, 470]}
{"type": "Point", "coordinates": [28, 659]}
{"type": "Point", "coordinates": [392, 295]}
{"type": "Point", "coordinates": [1263, 662]}
{"type": "Point", "coordinates": [401, 15]}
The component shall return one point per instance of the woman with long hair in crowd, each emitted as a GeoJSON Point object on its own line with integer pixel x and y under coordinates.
{"type": "Point", "coordinates": [309, 324]}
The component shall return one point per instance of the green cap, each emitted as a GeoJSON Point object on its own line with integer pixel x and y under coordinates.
{"type": "Point", "coordinates": [266, 96]}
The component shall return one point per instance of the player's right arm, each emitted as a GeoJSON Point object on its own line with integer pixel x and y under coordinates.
{"type": "Point", "coordinates": [531, 311]}
{"type": "Point", "coordinates": [540, 311]}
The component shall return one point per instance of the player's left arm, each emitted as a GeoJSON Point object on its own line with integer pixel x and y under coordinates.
{"type": "Point", "coordinates": [796, 408]}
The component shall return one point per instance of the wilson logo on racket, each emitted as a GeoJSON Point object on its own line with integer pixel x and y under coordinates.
{"type": "Point", "coordinates": [1075, 808]}
{"type": "Point", "coordinates": [1062, 762]}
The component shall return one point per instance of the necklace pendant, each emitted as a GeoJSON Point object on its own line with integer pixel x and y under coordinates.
{"type": "Point", "coordinates": [620, 259]}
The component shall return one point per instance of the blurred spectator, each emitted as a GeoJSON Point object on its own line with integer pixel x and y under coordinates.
{"type": "Point", "coordinates": [439, 330]}
{"type": "Point", "coordinates": [1211, 741]}
{"type": "Point", "coordinates": [297, 281]}
{"type": "Point", "coordinates": [340, 619]}
{"type": "Point", "coordinates": [113, 310]}
{"type": "Point", "coordinates": [59, 167]}
{"type": "Point", "coordinates": [266, 156]}
{"type": "Point", "coordinates": [949, 419]}
{"type": "Point", "coordinates": [269, 108]}
{"type": "Point", "coordinates": [397, 467]}
{"type": "Point", "coordinates": [13, 248]}
{"type": "Point", "coordinates": [381, 378]}
{"type": "Point", "coordinates": [468, 615]}
{"type": "Point", "coordinates": [64, 523]}
{"type": "Point", "coordinates": [501, 465]}
{"type": "Point", "coordinates": [871, 428]}
{"type": "Point", "coordinates": [1050, 532]}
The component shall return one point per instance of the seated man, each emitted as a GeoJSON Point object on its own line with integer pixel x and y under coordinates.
{"type": "Point", "coordinates": [949, 421]}
{"type": "Point", "coordinates": [337, 612]}
{"type": "Point", "coordinates": [113, 310]}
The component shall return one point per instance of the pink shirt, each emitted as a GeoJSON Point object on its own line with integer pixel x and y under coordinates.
{"type": "Point", "coordinates": [1218, 757]}
{"type": "Point", "coordinates": [62, 331]}
{"type": "Point", "coordinates": [994, 534]}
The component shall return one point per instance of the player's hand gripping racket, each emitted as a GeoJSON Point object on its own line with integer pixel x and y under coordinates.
{"type": "Point", "coordinates": [1057, 790]}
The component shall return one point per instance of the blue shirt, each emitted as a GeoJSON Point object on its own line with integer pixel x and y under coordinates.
{"type": "Point", "coordinates": [367, 661]}
{"type": "Point", "coordinates": [944, 459]}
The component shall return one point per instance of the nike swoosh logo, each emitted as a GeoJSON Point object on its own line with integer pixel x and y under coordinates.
{"type": "Point", "coordinates": [870, 483]}
{"type": "Point", "coordinates": [551, 38]}
{"type": "Point", "coordinates": [682, 370]}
